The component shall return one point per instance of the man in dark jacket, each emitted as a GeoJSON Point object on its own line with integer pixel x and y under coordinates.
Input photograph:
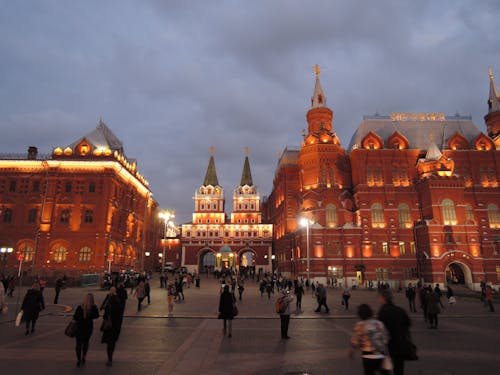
{"type": "Point", "coordinates": [58, 287]}
{"type": "Point", "coordinates": [397, 322]}
{"type": "Point", "coordinates": [33, 303]}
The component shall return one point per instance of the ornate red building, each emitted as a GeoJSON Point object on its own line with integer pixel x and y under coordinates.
{"type": "Point", "coordinates": [212, 242]}
{"type": "Point", "coordinates": [82, 209]}
{"type": "Point", "coordinates": [415, 197]}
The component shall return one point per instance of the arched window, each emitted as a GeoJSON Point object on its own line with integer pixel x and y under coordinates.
{"type": "Point", "coordinates": [27, 251]}
{"type": "Point", "coordinates": [331, 215]}
{"type": "Point", "coordinates": [469, 213]}
{"type": "Point", "coordinates": [65, 214]}
{"type": "Point", "coordinates": [404, 216]}
{"type": "Point", "coordinates": [60, 254]}
{"type": "Point", "coordinates": [449, 214]}
{"type": "Point", "coordinates": [85, 254]}
{"type": "Point", "coordinates": [89, 216]}
{"type": "Point", "coordinates": [32, 215]}
{"type": "Point", "coordinates": [493, 216]}
{"type": "Point", "coordinates": [377, 216]}
{"type": "Point", "coordinates": [7, 215]}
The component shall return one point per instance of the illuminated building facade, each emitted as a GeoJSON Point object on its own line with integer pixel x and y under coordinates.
{"type": "Point", "coordinates": [82, 209]}
{"type": "Point", "coordinates": [211, 242]}
{"type": "Point", "coordinates": [416, 197]}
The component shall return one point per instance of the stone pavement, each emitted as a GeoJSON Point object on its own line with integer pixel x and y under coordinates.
{"type": "Point", "coordinates": [191, 342]}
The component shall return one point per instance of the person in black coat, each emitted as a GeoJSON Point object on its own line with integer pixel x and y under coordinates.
{"type": "Point", "coordinates": [226, 310]}
{"type": "Point", "coordinates": [397, 322]}
{"type": "Point", "coordinates": [84, 316]}
{"type": "Point", "coordinates": [113, 308]}
{"type": "Point", "coordinates": [33, 303]}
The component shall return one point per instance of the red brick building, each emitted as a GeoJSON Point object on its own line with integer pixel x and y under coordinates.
{"type": "Point", "coordinates": [212, 242]}
{"type": "Point", "coordinates": [415, 197]}
{"type": "Point", "coordinates": [82, 209]}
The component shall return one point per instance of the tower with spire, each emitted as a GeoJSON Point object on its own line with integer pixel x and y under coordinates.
{"type": "Point", "coordinates": [209, 197]}
{"type": "Point", "coordinates": [492, 119]}
{"type": "Point", "coordinates": [246, 200]}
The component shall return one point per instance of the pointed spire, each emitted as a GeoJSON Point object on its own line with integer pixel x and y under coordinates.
{"type": "Point", "coordinates": [493, 101]}
{"type": "Point", "coordinates": [246, 175]}
{"type": "Point", "coordinates": [318, 99]}
{"type": "Point", "coordinates": [211, 175]}
{"type": "Point", "coordinates": [433, 152]}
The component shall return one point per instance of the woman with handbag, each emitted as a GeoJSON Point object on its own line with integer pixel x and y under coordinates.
{"type": "Point", "coordinates": [84, 317]}
{"type": "Point", "coordinates": [112, 322]}
{"type": "Point", "coordinates": [371, 338]}
{"type": "Point", "coordinates": [227, 305]}
{"type": "Point", "coordinates": [33, 303]}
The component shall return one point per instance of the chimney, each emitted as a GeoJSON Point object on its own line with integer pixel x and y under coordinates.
{"type": "Point", "coordinates": [32, 153]}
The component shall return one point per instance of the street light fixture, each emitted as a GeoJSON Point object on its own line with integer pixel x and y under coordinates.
{"type": "Point", "coordinates": [306, 222]}
{"type": "Point", "coordinates": [166, 216]}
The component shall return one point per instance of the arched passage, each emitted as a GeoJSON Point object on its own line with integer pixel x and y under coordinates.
{"type": "Point", "coordinates": [206, 261]}
{"type": "Point", "coordinates": [458, 273]}
{"type": "Point", "coordinates": [246, 261]}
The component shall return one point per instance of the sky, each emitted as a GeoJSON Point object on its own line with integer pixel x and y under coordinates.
{"type": "Point", "coordinates": [173, 78]}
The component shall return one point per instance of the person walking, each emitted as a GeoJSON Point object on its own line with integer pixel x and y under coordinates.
{"type": "Point", "coordinates": [227, 303]}
{"type": "Point", "coordinates": [397, 322]}
{"type": "Point", "coordinates": [179, 288]}
{"type": "Point", "coordinates": [140, 294]}
{"type": "Point", "coordinates": [321, 296]}
{"type": "Point", "coordinates": [299, 292]}
{"type": "Point", "coordinates": [32, 304]}
{"type": "Point", "coordinates": [147, 290]}
{"type": "Point", "coordinates": [59, 285]}
{"type": "Point", "coordinates": [171, 292]}
{"type": "Point", "coordinates": [370, 337]}
{"type": "Point", "coordinates": [84, 316]}
{"type": "Point", "coordinates": [433, 308]}
{"type": "Point", "coordinates": [411, 294]}
{"type": "Point", "coordinates": [241, 288]}
{"type": "Point", "coordinates": [488, 294]}
{"type": "Point", "coordinates": [286, 299]}
{"type": "Point", "coordinates": [346, 295]}
{"type": "Point", "coordinates": [3, 304]}
{"type": "Point", "coordinates": [113, 313]}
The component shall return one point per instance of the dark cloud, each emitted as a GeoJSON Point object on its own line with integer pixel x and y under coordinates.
{"type": "Point", "coordinates": [172, 78]}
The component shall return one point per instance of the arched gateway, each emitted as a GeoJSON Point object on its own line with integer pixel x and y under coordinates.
{"type": "Point", "coordinates": [457, 273]}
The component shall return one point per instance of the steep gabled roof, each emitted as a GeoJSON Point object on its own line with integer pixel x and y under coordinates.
{"type": "Point", "coordinates": [211, 175]}
{"type": "Point", "coordinates": [101, 137]}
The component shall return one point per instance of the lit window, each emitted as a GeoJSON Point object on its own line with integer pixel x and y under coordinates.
{"type": "Point", "coordinates": [331, 215]}
{"type": "Point", "coordinates": [404, 216]}
{"type": "Point", "coordinates": [85, 254]}
{"type": "Point", "coordinates": [27, 252]}
{"type": "Point", "coordinates": [402, 249]}
{"type": "Point", "coordinates": [449, 214]}
{"type": "Point", "coordinates": [377, 216]}
{"type": "Point", "coordinates": [385, 248]}
{"type": "Point", "coordinates": [60, 254]}
{"type": "Point", "coordinates": [493, 216]}
{"type": "Point", "coordinates": [413, 249]}
{"type": "Point", "coordinates": [65, 214]}
{"type": "Point", "coordinates": [469, 213]}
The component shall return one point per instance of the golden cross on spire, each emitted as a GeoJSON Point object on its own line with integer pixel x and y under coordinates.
{"type": "Point", "coordinates": [246, 151]}
{"type": "Point", "coordinates": [212, 150]}
{"type": "Point", "coordinates": [317, 70]}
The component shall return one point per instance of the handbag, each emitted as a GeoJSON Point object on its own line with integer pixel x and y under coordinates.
{"type": "Point", "coordinates": [106, 324]}
{"type": "Point", "coordinates": [386, 364]}
{"type": "Point", "coordinates": [19, 318]}
{"type": "Point", "coordinates": [70, 330]}
{"type": "Point", "coordinates": [235, 310]}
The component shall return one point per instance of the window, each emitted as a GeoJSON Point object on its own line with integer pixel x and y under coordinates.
{"type": "Point", "coordinates": [498, 274]}
{"type": "Point", "coordinates": [493, 216]}
{"type": "Point", "coordinates": [469, 213]}
{"type": "Point", "coordinates": [12, 186]}
{"type": "Point", "coordinates": [382, 274]}
{"type": "Point", "coordinates": [7, 215]}
{"type": "Point", "coordinates": [379, 181]}
{"type": "Point", "coordinates": [377, 216]}
{"type": "Point", "coordinates": [89, 216]}
{"type": "Point", "coordinates": [68, 187]}
{"type": "Point", "coordinates": [92, 187]}
{"type": "Point", "coordinates": [60, 254]}
{"type": "Point", "coordinates": [65, 214]}
{"type": "Point", "coordinates": [385, 248]}
{"type": "Point", "coordinates": [27, 251]}
{"type": "Point", "coordinates": [449, 214]}
{"type": "Point", "coordinates": [331, 215]}
{"type": "Point", "coordinates": [413, 248]}
{"type": "Point", "coordinates": [404, 216]}
{"type": "Point", "coordinates": [85, 254]}
{"type": "Point", "coordinates": [32, 214]}
{"type": "Point", "coordinates": [369, 176]}
{"type": "Point", "coordinates": [411, 273]}
{"type": "Point", "coordinates": [36, 186]}
{"type": "Point", "coordinates": [402, 249]}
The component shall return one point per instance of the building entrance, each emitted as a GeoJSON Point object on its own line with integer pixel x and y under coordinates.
{"type": "Point", "coordinates": [207, 262]}
{"type": "Point", "coordinates": [458, 274]}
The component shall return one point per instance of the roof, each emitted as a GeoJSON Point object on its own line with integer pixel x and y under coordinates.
{"type": "Point", "coordinates": [101, 137]}
{"type": "Point", "coordinates": [246, 175]}
{"type": "Point", "coordinates": [418, 128]}
{"type": "Point", "coordinates": [211, 175]}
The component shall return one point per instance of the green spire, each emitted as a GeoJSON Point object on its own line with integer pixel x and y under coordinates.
{"type": "Point", "coordinates": [211, 175]}
{"type": "Point", "coordinates": [246, 175]}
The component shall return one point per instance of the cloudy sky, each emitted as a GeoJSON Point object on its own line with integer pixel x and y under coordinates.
{"type": "Point", "coordinates": [172, 78]}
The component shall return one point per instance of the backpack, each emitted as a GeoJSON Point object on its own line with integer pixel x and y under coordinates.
{"type": "Point", "coordinates": [280, 305]}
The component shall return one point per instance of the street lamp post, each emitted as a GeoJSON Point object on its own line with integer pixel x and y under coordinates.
{"type": "Point", "coordinates": [305, 222]}
{"type": "Point", "coordinates": [166, 216]}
